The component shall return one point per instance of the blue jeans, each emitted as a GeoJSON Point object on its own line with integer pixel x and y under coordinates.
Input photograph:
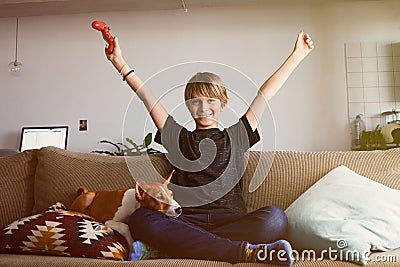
{"type": "Point", "coordinates": [221, 237]}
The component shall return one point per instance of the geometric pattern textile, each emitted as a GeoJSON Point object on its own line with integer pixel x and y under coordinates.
{"type": "Point", "coordinates": [63, 233]}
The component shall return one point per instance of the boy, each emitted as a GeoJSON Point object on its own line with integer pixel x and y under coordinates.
{"type": "Point", "coordinates": [209, 164]}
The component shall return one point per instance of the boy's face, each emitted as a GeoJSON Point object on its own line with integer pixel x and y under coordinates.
{"type": "Point", "coordinates": [205, 111]}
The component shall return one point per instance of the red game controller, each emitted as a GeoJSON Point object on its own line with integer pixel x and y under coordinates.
{"type": "Point", "coordinates": [105, 30]}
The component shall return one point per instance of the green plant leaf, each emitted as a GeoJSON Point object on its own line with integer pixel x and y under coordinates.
{"type": "Point", "coordinates": [105, 152]}
{"type": "Point", "coordinates": [148, 139]}
{"type": "Point", "coordinates": [133, 144]}
{"type": "Point", "coordinates": [126, 147]}
{"type": "Point", "coordinates": [120, 153]}
{"type": "Point", "coordinates": [111, 143]}
{"type": "Point", "coordinates": [130, 141]}
{"type": "Point", "coordinates": [126, 150]}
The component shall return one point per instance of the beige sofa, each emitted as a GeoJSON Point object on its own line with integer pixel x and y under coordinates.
{"type": "Point", "coordinates": [33, 180]}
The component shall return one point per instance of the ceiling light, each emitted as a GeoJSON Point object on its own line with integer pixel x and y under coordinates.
{"type": "Point", "coordinates": [184, 6]}
{"type": "Point", "coordinates": [15, 66]}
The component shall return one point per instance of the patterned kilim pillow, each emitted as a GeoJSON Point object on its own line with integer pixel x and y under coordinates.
{"type": "Point", "coordinates": [64, 233]}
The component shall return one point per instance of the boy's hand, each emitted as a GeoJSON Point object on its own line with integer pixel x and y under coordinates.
{"type": "Point", "coordinates": [116, 56]}
{"type": "Point", "coordinates": [304, 45]}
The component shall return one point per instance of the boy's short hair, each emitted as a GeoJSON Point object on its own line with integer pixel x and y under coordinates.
{"type": "Point", "coordinates": [206, 84]}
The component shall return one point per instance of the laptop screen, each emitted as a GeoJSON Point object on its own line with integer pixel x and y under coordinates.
{"type": "Point", "coordinates": [38, 137]}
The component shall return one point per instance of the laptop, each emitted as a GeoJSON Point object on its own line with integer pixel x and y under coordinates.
{"type": "Point", "coordinates": [42, 136]}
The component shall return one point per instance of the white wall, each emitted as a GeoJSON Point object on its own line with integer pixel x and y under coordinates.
{"type": "Point", "coordinates": [66, 76]}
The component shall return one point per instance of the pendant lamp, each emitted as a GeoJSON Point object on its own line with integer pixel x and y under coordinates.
{"type": "Point", "coordinates": [15, 66]}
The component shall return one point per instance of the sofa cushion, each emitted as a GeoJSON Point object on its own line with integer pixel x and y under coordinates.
{"type": "Point", "coordinates": [17, 175]}
{"type": "Point", "coordinates": [60, 173]}
{"type": "Point", "coordinates": [347, 212]}
{"type": "Point", "coordinates": [288, 174]}
{"type": "Point", "coordinates": [63, 233]}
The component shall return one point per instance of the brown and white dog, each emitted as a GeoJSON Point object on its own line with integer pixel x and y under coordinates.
{"type": "Point", "coordinates": [114, 207]}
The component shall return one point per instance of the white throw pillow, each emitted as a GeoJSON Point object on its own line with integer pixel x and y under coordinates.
{"type": "Point", "coordinates": [346, 212]}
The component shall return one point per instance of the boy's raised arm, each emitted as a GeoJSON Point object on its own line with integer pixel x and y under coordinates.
{"type": "Point", "coordinates": [303, 46]}
{"type": "Point", "coordinates": [157, 112]}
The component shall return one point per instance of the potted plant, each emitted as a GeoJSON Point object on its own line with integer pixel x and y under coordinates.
{"type": "Point", "coordinates": [130, 148]}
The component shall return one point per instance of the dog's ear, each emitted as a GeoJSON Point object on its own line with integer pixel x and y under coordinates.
{"type": "Point", "coordinates": [140, 189]}
{"type": "Point", "coordinates": [168, 178]}
{"type": "Point", "coordinates": [83, 200]}
{"type": "Point", "coordinates": [81, 190]}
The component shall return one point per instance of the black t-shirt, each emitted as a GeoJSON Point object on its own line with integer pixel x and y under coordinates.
{"type": "Point", "coordinates": [209, 164]}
